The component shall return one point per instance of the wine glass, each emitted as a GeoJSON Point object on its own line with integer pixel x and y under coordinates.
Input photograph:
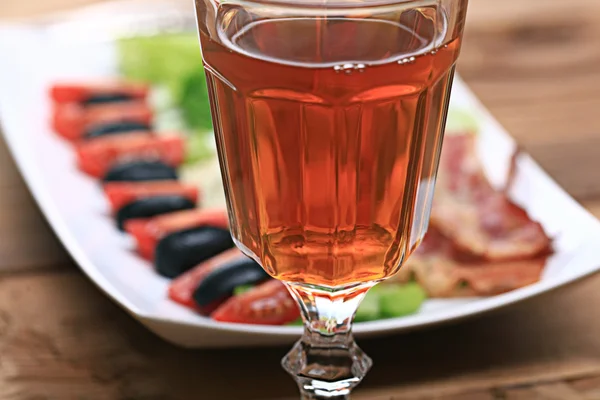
{"type": "Point", "coordinates": [329, 119]}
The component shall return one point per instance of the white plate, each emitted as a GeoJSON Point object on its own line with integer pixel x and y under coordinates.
{"type": "Point", "coordinates": [32, 57]}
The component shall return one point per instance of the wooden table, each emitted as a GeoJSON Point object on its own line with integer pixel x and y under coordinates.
{"type": "Point", "coordinates": [538, 71]}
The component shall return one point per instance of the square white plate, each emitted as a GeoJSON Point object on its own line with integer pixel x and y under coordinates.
{"type": "Point", "coordinates": [31, 57]}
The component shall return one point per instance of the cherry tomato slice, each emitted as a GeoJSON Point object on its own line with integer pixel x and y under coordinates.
{"type": "Point", "coordinates": [72, 121]}
{"type": "Point", "coordinates": [74, 92]}
{"type": "Point", "coordinates": [97, 156]}
{"type": "Point", "coordinates": [120, 194]}
{"type": "Point", "coordinates": [267, 304]}
{"type": "Point", "coordinates": [147, 232]}
{"type": "Point", "coordinates": [182, 289]}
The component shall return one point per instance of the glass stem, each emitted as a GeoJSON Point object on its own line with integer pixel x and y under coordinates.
{"type": "Point", "coordinates": [326, 362]}
{"type": "Point", "coordinates": [310, 396]}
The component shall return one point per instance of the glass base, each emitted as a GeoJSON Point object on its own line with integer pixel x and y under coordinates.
{"type": "Point", "coordinates": [326, 372]}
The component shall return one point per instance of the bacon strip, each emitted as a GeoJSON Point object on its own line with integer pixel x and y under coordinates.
{"type": "Point", "coordinates": [479, 243]}
{"type": "Point", "coordinates": [479, 220]}
{"type": "Point", "coordinates": [437, 268]}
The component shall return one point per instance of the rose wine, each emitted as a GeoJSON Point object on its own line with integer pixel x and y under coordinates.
{"type": "Point", "coordinates": [328, 162]}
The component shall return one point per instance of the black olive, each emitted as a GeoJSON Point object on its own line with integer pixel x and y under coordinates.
{"type": "Point", "coordinates": [115, 128]}
{"type": "Point", "coordinates": [220, 282]}
{"type": "Point", "coordinates": [137, 171]}
{"type": "Point", "coordinates": [102, 98]}
{"type": "Point", "coordinates": [180, 251]}
{"type": "Point", "coordinates": [151, 206]}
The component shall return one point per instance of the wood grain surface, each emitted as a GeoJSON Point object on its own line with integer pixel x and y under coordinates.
{"type": "Point", "coordinates": [535, 65]}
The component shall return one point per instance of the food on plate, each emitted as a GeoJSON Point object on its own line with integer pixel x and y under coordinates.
{"type": "Point", "coordinates": [74, 121]}
{"type": "Point", "coordinates": [483, 222]}
{"type": "Point", "coordinates": [221, 282]}
{"type": "Point", "coordinates": [267, 304]}
{"type": "Point", "coordinates": [180, 251]}
{"type": "Point", "coordinates": [96, 157]}
{"type": "Point", "coordinates": [231, 274]}
{"type": "Point", "coordinates": [121, 193]}
{"type": "Point", "coordinates": [152, 206]}
{"type": "Point", "coordinates": [140, 171]}
{"type": "Point", "coordinates": [444, 272]}
{"type": "Point", "coordinates": [369, 308]}
{"type": "Point", "coordinates": [390, 301]}
{"type": "Point", "coordinates": [118, 128]}
{"type": "Point", "coordinates": [147, 232]}
{"type": "Point", "coordinates": [172, 62]}
{"type": "Point", "coordinates": [182, 288]}
{"type": "Point", "coordinates": [173, 65]}
{"type": "Point", "coordinates": [89, 93]}
{"type": "Point", "coordinates": [480, 243]}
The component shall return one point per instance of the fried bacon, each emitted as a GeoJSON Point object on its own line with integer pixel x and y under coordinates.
{"type": "Point", "coordinates": [479, 242]}
{"type": "Point", "coordinates": [479, 220]}
{"type": "Point", "coordinates": [438, 268]}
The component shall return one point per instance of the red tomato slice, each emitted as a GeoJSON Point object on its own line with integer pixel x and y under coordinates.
{"type": "Point", "coordinates": [182, 288]}
{"type": "Point", "coordinates": [267, 304]}
{"type": "Point", "coordinates": [97, 156]}
{"type": "Point", "coordinates": [70, 92]}
{"type": "Point", "coordinates": [73, 120]}
{"type": "Point", "coordinates": [120, 194]}
{"type": "Point", "coordinates": [147, 232]}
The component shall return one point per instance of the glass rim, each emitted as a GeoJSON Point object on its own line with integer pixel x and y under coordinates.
{"type": "Point", "coordinates": [347, 7]}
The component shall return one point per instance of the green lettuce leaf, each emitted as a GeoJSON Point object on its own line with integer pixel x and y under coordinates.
{"type": "Point", "coordinates": [161, 60]}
